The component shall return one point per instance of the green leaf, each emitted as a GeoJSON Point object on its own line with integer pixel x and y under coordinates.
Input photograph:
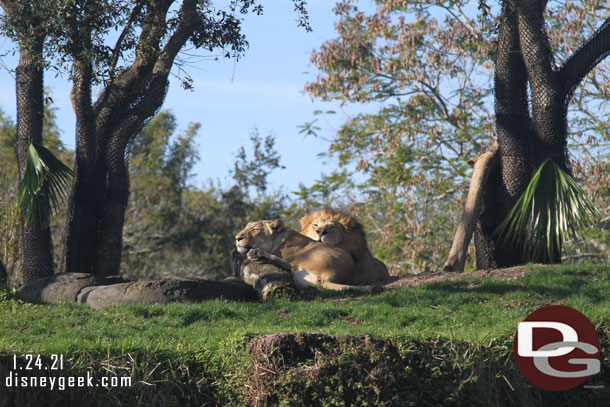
{"type": "Point", "coordinates": [44, 185]}
{"type": "Point", "coordinates": [552, 206]}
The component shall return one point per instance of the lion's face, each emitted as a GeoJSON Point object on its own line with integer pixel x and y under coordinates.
{"type": "Point", "coordinates": [258, 235]}
{"type": "Point", "coordinates": [335, 228]}
{"type": "Point", "coordinates": [325, 229]}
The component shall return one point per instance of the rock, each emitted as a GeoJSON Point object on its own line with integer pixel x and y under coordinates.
{"type": "Point", "coordinates": [64, 286]}
{"type": "Point", "coordinates": [165, 291]}
{"type": "Point", "coordinates": [101, 291]}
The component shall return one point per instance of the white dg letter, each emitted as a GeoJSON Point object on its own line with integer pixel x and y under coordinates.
{"type": "Point", "coordinates": [526, 338]}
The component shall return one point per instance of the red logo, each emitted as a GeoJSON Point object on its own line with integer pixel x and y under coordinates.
{"type": "Point", "coordinates": [556, 348]}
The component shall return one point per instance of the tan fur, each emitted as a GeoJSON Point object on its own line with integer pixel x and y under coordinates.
{"type": "Point", "coordinates": [337, 229]}
{"type": "Point", "coordinates": [312, 262]}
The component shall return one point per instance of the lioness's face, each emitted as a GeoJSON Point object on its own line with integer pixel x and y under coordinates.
{"type": "Point", "coordinates": [326, 230]}
{"type": "Point", "coordinates": [258, 235]}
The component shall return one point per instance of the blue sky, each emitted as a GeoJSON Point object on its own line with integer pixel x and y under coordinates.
{"type": "Point", "coordinates": [263, 89]}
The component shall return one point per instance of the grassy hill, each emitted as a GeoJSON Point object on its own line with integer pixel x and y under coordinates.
{"type": "Point", "coordinates": [444, 343]}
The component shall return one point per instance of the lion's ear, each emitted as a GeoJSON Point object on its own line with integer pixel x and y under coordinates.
{"type": "Point", "coordinates": [276, 225]}
{"type": "Point", "coordinates": [306, 221]}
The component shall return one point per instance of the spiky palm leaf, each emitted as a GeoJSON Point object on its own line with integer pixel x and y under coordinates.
{"type": "Point", "coordinates": [551, 206]}
{"type": "Point", "coordinates": [44, 185]}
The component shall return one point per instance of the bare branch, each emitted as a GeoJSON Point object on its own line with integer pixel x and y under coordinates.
{"type": "Point", "coordinates": [116, 52]}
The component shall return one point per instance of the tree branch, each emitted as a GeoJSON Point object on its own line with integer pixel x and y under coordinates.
{"type": "Point", "coordinates": [595, 49]}
{"type": "Point", "coordinates": [119, 42]}
{"type": "Point", "coordinates": [152, 98]}
{"type": "Point", "coordinates": [188, 21]}
{"type": "Point", "coordinates": [536, 50]}
{"type": "Point", "coordinates": [127, 86]}
{"type": "Point", "coordinates": [152, 32]}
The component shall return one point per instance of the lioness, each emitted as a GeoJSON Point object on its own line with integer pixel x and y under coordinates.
{"type": "Point", "coordinates": [334, 228]}
{"type": "Point", "coordinates": [312, 262]}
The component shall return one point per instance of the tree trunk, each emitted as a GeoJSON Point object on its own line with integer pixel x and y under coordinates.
{"type": "Point", "coordinates": [85, 198]}
{"type": "Point", "coordinates": [483, 165]}
{"type": "Point", "coordinates": [113, 213]}
{"type": "Point", "coordinates": [99, 198]}
{"type": "Point", "coordinates": [514, 142]}
{"type": "Point", "coordinates": [36, 233]}
{"type": "Point", "coordinates": [549, 99]}
{"type": "Point", "coordinates": [528, 136]}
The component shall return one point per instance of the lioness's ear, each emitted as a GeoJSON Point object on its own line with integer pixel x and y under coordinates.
{"type": "Point", "coordinates": [306, 221]}
{"type": "Point", "coordinates": [276, 225]}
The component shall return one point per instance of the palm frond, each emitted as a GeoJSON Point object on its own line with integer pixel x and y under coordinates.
{"type": "Point", "coordinates": [552, 206]}
{"type": "Point", "coordinates": [45, 184]}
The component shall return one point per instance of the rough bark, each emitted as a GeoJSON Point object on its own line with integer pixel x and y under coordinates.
{"type": "Point", "coordinates": [112, 219]}
{"type": "Point", "coordinates": [36, 233]}
{"type": "Point", "coordinates": [85, 198]}
{"type": "Point", "coordinates": [483, 165]}
{"type": "Point", "coordinates": [549, 101]}
{"type": "Point", "coordinates": [488, 253]}
{"type": "Point", "coordinates": [593, 51]}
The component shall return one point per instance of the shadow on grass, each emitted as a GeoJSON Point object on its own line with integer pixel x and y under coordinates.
{"type": "Point", "coordinates": [488, 287]}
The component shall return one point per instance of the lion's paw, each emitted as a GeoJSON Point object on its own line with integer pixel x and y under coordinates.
{"type": "Point", "coordinates": [256, 254]}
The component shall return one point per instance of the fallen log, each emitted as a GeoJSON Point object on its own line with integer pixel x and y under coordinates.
{"type": "Point", "coordinates": [268, 274]}
{"type": "Point", "coordinates": [483, 165]}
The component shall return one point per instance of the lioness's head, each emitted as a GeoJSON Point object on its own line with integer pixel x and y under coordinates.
{"type": "Point", "coordinates": [326, 226]}
{"type": "Point", "coordinates": [258, 235]}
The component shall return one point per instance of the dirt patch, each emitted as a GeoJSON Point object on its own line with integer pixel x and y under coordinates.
{"type": "Point", "coordinates": [320, 369]}
{"type": "Point", "coordinates": [433, 277]}
{"type": "Point", "coordinates": [314, 369]}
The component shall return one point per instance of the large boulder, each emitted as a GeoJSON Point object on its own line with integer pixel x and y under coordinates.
{"type": "Point", "coordinates": [100, 291]}
{"type": "Point", "coordinates": [64, 286]}
{"type": "Point", "coordinates": [165, 291]}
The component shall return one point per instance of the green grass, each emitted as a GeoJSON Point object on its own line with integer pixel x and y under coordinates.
{"type": "Point", "coordinates": [466, 310]}
{"type": "Point", "coordinates": [197, 351]}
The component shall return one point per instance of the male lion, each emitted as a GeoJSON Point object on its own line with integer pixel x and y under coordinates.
{"type": "Point", "coordinates": [311, 262]}
{"type": "Point", "coordinates": [334, 228]}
